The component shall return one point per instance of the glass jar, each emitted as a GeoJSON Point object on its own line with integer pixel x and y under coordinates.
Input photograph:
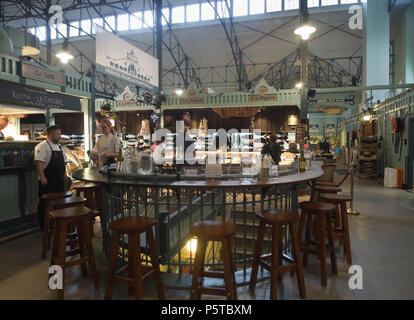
{"type": "Point", "coordinates": [145, 163]}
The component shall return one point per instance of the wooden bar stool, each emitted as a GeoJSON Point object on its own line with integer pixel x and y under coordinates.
{"type": "Point", "coordinates": [318, 189]}
{"type": "Point", "coordinates": [326, 183]}
{"type": "Point", "coordinates": [321, 212]}
{"type": "Point", "coordinates": [137, 273]}
{"type": "Point", "coordinates": [206, 231]}
{"type": "Point", "coordinates": [278, 219]}
{"type": "Point", "coordinates": [341, 232]}
{"type": "Point", "coordinates": [50, 203]}
{"type": "Point", "coordinates": [77, 216]}
{"type": "Point", "coordinates": [93, 195]}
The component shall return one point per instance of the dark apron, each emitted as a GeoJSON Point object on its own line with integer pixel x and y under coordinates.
{"type": "Point", "coordinates": [54, 173]}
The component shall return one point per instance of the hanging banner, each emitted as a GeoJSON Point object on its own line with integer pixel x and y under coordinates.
{"type": "Point", "coordinates": [120, 59]}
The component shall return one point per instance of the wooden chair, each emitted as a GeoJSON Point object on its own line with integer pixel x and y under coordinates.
{"type": "Point", "coordinates": [341, 231]}
{"type": "Point", "coordinates": [77, 216]}
{"type": "Point", "coordinates": [278, 219]}
{"type": "Point", "coordinates": [321, 212]}
{"type": "Point", "coordinates": [206, 231]}
{"type": "Point", "coordinates": [137, 273]}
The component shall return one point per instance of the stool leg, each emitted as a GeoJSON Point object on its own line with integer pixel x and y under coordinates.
{"type": "Point", "coordinates": [257, 254]}
{"type": "Point", "coordinates": [112, 266]}
{"type": "Point", "coordinates": [296, 254]}
{"type": "Point", "coordinates": [228, 276]}
{"type": "Point", "coordinates": [331, 241]}
{"type": "Point", "coordinates": [233, 272]}
{"type": "Point", "coordinates": [155, 264]}
{"type": "Point", "coordinates": [322, 248]}
{"type": "Point", "coordinates": [61, 252]}
{"type": "Point", "coordinates": [347, 241]}
{"type": "Point", "coordinates": [135, 257]}
{"type": "Point", "coordinates": [276, 239]}
{"type": "Point", "coordinates": [89, 248]}
{"type": "Point", "coordinates": [46, 226]}
{"type": "Point", "coordinates": [309, 225]}
{"type": "Point", "coordinates": [55, 247]}
{"type": "Point", "coordinates": [199, 262]}
{"type": "Point", "coordinates": [82, 247]}
{"type": "Point", "coordinates": [131, 287]}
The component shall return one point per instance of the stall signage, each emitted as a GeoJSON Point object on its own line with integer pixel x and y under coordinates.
{"type": "Point", "coordinates": [41, 74]}
{"type": "Point", "coordinates": [262, 98]}
{"type": "Point", "coordinates": [155, 117]}
{"type": "Point", "coordinates": [193, 100]}
{"type": "Point", "coordinates": [32, 97]}
{"type": "Point", "coordinates": [300, 134]}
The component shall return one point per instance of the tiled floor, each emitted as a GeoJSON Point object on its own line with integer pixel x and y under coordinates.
{"type": "Point", "coordinates": [382, 240]}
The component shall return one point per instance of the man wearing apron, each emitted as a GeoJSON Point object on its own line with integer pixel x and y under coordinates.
{"type": "Point", "coordinates": [50, 160]}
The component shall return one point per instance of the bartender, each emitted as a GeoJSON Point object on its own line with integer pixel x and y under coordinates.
{"type": "Point", "coordinates": [50, 161]}
{"type": "Point", "coordinates": [107, 146]}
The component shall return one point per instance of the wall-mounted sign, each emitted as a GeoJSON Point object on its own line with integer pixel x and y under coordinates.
{"type": "Point", "coordinates": [32, 97]}
{"type": "Point", "coordinates": [262, 98]}
{"type": "Point", "coordinates": [300, 134]}
{"type": "Point", "coordinates": [331, 129]}
{"type": "Point", "coordinates": [120, 59]}
{"type": "Point", "coordinates": [314, 128]}
{"type": "Point", "coordinates": [41, 74]}
{"type": "Point", "coordinates": [155, 117]}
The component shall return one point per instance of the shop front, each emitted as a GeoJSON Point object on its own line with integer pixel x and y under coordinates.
{"type": "Point", "coordinates": [26, 111]}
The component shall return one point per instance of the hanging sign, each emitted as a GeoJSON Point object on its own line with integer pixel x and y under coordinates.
{"type": "Point", "coordinates": [120, 59]}
{"type": "Point", "coordinates": [14, 93]}
{"type": "Point", "coordinates": [42, 74]}
{"type": "Point", "coordinates": [155, 117]}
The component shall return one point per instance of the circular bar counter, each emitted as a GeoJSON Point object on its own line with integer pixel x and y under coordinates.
{"type": "Point", "coordinates": [177, 202]}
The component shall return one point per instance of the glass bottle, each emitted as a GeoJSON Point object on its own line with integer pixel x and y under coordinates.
{"type": "Point", "coordinates": [302, 161]}
{"type": "Point", "coordinates": [119, 159]}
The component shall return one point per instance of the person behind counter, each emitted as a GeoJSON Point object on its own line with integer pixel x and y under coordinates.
{"type": "Point", "coordinates": [324, 146]}
{"type": "Point", "coordinates": [50, 161]}
{"type": "Point", "coordinates": [107, 146]}
{"type": "Point", "coordinates": [273, 149]}
{"type": "Point", "coordinates": [4, 134]}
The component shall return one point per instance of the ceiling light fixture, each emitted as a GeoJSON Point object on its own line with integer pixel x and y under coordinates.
{"type": "Point", "coordinates": [305, 30]}
{"type": "Point", "coordinates": [299, 85]}
{"type": "Point", "coordinates": [64, 57]}
{"type": "Point", "coordinates": [179, 92]}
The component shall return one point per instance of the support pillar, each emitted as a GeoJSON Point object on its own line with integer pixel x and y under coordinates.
{"type": "Point", "coordinates": [377, 46]}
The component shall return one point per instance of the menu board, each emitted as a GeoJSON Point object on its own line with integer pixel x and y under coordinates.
{"type": "Point", "coordinates": [300, 134]}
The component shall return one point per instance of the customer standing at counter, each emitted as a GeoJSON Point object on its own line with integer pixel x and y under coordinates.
{"type": "Point", "coordinates": [107, 145]}
{"type": "Point", "coordinates": [50, 161]}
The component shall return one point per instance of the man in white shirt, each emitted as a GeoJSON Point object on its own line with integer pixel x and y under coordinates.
{"type": "Point", "coordinates": [50, 161]}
